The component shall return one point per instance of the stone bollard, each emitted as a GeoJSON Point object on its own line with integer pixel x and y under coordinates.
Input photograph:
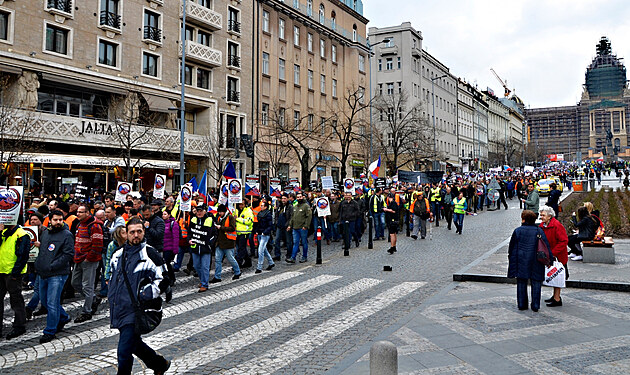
{"type": "Point", "coordinates": [383, 359]}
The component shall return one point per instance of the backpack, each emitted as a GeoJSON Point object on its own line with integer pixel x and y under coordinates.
{"type": "Point", "coordinates": [600, 232]}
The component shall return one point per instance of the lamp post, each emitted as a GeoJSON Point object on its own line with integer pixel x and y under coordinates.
{"type": "Point", "coordinates": [386, 40]}
{"type": "Point", "coordinates": [435, 162]}
{"type": "Point", "coordinates": [182, 108]}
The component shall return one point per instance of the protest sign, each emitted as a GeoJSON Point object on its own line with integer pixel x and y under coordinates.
{"type": "Point", "coordinates": [235, 190]}
{"type": "Point", "coordinates": [348, 185]}
{"type": "Point", "coordinates": [33, 233]}
{"type": "Point", "coordinates": [158, 186]}
{"type": "Point", "coordinates": [122, 190]}
{"type": "Point", "coordinates": [11, 200]}
{"type": "Point", "coordinates": [185, 197]}
{"type": "Point", "coordinates": [323, 207]}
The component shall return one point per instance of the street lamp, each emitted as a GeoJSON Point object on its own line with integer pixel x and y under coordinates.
{"type": "Point", "coordinates": [386, 40]}
{"type": "Point", "coordinates": [435, 162]}
{"type": "Point", "coordinates": [182, 108]}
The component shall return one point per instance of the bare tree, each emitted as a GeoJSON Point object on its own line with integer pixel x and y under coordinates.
{"type": "Point", "coordinates": [274, 151]}
{"type": "Point", "coordinates": [217, 158]}
{"type": "Point", "coordinates": [134, 130]}
{"type": "Point", "coordinates": [407, 137]}
{"type": "Point", "coordinates": [304, 136]}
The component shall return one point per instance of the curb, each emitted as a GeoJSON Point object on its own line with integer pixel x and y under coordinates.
{"type": "Point", "coordinates": [578, 284]}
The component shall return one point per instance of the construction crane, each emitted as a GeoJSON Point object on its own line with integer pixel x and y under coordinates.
{"type": "Point", "coordinates": [504, 84]}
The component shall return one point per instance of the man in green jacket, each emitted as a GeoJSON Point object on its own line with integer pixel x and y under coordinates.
{"type": "Point", "coordinates": [299, 223]}
{"type": "Point", "coordinates": [532, 201]}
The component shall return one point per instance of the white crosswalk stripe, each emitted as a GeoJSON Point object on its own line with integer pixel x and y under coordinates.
{"type": "Point", "coordinates": [293, 349]}
{"type": "Point", "coordinates": [265, 328]}
{"type": "Point", "coordinates": [174, 335]}
{"type": "Point", "coordinates": [65, 343]}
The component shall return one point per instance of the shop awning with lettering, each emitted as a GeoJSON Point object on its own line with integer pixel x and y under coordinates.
{"type": "Point", "coordinates": [94, 161]}
{"type": "Point", "coordinates": [158, 103]}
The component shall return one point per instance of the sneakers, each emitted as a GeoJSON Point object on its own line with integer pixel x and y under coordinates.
{"type": "Point", "coordinates": [29, 313]}
{"type": "Point", "coordinates": [554, 303]}
{"type": "Point", "coordinates": [46, 338]}
{"type": "Point", "coordinates": [95, 303]}
{"type": "Point", "coordinates": [83, 318]}
{"type": "Point", "coordinates": [215, 280]}
{"type": "Point", "coordinates": [62, 325]}
{"type": "Point", "coordinates": [572, 255]}
{"type": "Point", "coordinates": [15, 332]}
{"type": "Point", "coordinates": [258, 271]}
{"type": "Point", "coordinates": [577, 257]}
{"type": "Point", "coordinates": [271, 266]}
{"type": "Point", "coordinates": [236, 277]}
{"type": "Point", "coordinates": [290, 260]}
{"type": "Point", "coordinates": [303, 260]}
{"type": "Point", "coordinates": [414, 236]}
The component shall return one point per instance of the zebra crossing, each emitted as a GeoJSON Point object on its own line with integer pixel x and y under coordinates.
{"type": "Point", "coordinates": [274, 311]}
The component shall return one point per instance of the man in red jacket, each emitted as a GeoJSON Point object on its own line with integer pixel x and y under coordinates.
{"type": "Point", "coordinates": [88, 247]}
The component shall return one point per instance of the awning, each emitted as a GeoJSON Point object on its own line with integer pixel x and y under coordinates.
{"type": "Point", "coordinates": [95, 161]}
{"type": "Point", "coordinates": [84, 84]}
{"type": "Point", "coordinates": [158, 103]}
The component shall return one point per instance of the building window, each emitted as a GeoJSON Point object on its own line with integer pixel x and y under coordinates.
{"type": "Point", "coordinates": [296, 35]}
{"type": "Point", "coordinates": [380, 65]}
{"type": "Point", "coordinates": [322, 125]}
{"type": "Point", "coordinates": [187, 74]}
{"type": "Point", "coordinates": [204, 38]}
{"type": "Point", "coordinates": [389, 43]}
{"type": "Point", "coordinates": [333, 21]}
{"type": "Point", "coordinates": [310, 79]}
{"type": "Point", "coordinates": [56, 40]}
{"type": "Point", "coordinates": [322, 14]}
{"type": "Point", "coordinates": [107, 53]}
{"type": "Point", "coordinates": [333, 53]}
{"type": "Point", "coordinates": [390, 89]}
{"type": "Point", "coordinates": [389, 64]}
{"type": "Point", "coordinates": [264, 113]}
{"type": "Point", "coordinates": [265, 21]}
{"type": "Point", "coordinates": [203, 78]}
{"type": "Point", "coordinates": [61, 5]}
{"type": "Point", "coordinates": [400, 87]}
{"type": "Point", "coordinates": [265, 63]}
{"type": "Point", "coordinates": [322, 84]}
{"type": "Point", "coordinates": [361, 63]}
{"type": "Point", "coordinates": [150, 64]}
{"type": "Point", "coordinates": [233, 56]}
{"type": "Point", "coordinates": [152, 29]}
{"type": "Point", "coordinates": [296, 119]}
{"type": "Point", "coordinates": [281, 113]}
{"type": "Point", "coordinates": [309, 42]}
{"type": "Point", "coordinates": [280, 28]}
{"type": "Point", "coordinates": [281, 69]}
{"type": "Point", "coordinates": [310, 122]}
{"type": "Point", "coordinates": [4, 25]}
{"type": "Point", "coordinates": [233, 22]}
{"type": "Point", "coordinates": [309, 8]}
{"type": "Point", "coordinates": [233, 94]}
{"type": "Point", "coordinates": [334, 88]}
{"type": "Point", "coordinates": [399, 64]}
{"type": "Point", "coordinates": [110, 15]}
{"type": "Point", "coordinates": [322, 48]}
{"type": "Point", "coordinates": [354, 33]}
{"type": "Point", "coordinates": [296, 74]}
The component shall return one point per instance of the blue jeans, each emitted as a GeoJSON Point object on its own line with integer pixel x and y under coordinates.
{"type": "Point", "coordinates": [435, 208]}
{"type": "Point", "coordinates": [32, 304]}
{"type": "Point", "coordinates": [458, 220]}
{"type": "Point", "coordinates": [180, 257]}
{"type": "Point", "coordinates": [283, 235]}
{"type": "Point", "coordinates": [521, 293]}
{"type": "Point", "coordinates": [218, 259]}
{"type": "Point", "coordinates": [480, 200]}
{"type": "Point", "coordinates": [379, 224]}
{"type": "Point", "coordinates": [129, 343]}
{"type": "Point", "coordinates": [300, 235]}
{"type": "Point", "coordinates": [335, 231]}
{"type": "Point", "coordinates": [202, 266]}
{"type": "Point", "coordinates": [319, 221]}
{"type": "Point", "coordinates": [50, 292]}
{"type": "Point", "coordinates": [262, 251]}
{"type": "Point", "coordinates": [103, 292]}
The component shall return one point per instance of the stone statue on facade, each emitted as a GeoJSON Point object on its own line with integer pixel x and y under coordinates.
{"type": "Point", "coordinates": [26, 95]}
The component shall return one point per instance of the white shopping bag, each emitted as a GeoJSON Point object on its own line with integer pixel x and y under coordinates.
{"type": "Point", "coordinates": [555, 275]}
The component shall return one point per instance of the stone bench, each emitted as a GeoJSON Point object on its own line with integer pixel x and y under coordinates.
{"type": "Point", "coordinates": [599, 251]}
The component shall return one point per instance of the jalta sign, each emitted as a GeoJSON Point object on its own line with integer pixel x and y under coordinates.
{"type": "Point", "coordinates": [95, 127]}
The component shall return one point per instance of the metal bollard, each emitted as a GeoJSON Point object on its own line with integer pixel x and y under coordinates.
{"type": "Point", "coordinates": [383, 359]}
{"type": "Point", "coordinates": [319, 245]}
{"type": "Point", "coordinates": [346, 239]}
{"type": "Point", "coordinates": [370, 226]}
{"type": "Point", "coordinates": [407, 217]}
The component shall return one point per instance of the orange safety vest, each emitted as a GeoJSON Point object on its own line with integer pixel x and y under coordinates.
{"type": "Point", "coordinates": [183, 225]}
{"type": "Point", "coordinates": [229, 235]}
{"type": "Point", "coordinates": [69, 220]}
{"type": "Point", "coordinates": [46, 221]}
{"type": "Point", "coordinates": [256, 211]}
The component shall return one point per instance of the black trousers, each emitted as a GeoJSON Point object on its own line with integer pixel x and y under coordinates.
{"type": "Point", "coordinates": [14, 287]}
{"type": "Point", "coordinates": [574, 244]}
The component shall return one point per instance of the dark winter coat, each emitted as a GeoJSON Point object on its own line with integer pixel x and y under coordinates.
{"type": "Point", "coordinates": [154, 234]}
{"type": "Point", "coordinates": [56, 252]}
{"type": "Point", "coordinates": [587, 227]}
{"type": "Point", "coordinates": [554, 200]}
{"type": "Point", "coordinates": [522, 253]}
{"type": "Point", "coordinates": [283, 215]}
{"type": "Point", "coordinates": [349, 210]}
{"type": "Point", "coordinates": [171, 236]}
{"type": "Point", "coordinates": [265, 222]}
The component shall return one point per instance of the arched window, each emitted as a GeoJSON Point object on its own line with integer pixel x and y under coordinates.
{"type": "Point", "coordinates": [354, 33]}
{"type": "Point", "coordinates": [322, 14]}
{"type": "Point", "coordinates": [309, 8]}
{"type": "Point", "coordinates": [333, 20]}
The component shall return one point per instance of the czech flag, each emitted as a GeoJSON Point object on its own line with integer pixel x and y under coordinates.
{"type": "Point", "coordinates": [274, 192]}
{"type": "Point", "coordinates": [212, 210]}
{"type": "Point", "coordinates": [375, 166]}
{"type": "Point", "coordinates": [229, 172]}
{"type": "Point", "coordinates": [203, 186]}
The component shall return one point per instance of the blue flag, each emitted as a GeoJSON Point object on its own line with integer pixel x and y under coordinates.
{"type": "Point", "coordinates": [193, 181]}
{"type": "Point", "coordinates": [203, 186]}
{"type": "Point", "coordinates": [229, 172]}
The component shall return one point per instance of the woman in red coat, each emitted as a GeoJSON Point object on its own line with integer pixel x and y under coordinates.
{"type": "Point", "coordinates": [558, 240]}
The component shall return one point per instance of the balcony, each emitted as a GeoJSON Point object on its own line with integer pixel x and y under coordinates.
{"type": "Point", "coordinates": [60, 7]}
{"type": "Point", "coordinates": [234, 61]}
{"type": "Point", "coordinates": [234, 26]}
{"type": "Point", "coordinates": [233, 96]}
{"type": "Point", "coordinates": [110, 20]}
{"type": "Point", "coordinates": [389, 50]}
{"type": "Point", "coordinates": [416, 52]}
{"type": "Point", "coordinates": [202, 54]}
{"type": "Point", "coordinates": [201, 15]}
{"type": "Point", "coordinates": [152, 34]}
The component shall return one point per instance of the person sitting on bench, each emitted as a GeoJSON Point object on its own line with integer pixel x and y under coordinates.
{"type": "Point", "coordinates": [586, 226]}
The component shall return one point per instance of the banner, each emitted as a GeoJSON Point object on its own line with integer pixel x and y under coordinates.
{"type": "Point", "coordinates": [223, 196]}
{"type": "Point", "coordinates": [420, 177]}
{"type": "Point", "coordinates": [323, 207]}
{"type": "Point", "coordinates": [380, 182]}
{"type": "Point", "coordinates": [252, 185]}
{"type": "Point", "coordinates": [275, 187]}
{"type": "Point", "coordinates": [235, 190]}
{"type": "Point", "coordinates": [123, 189]}
{"type": "Point", "coordinates": [185, 197]}
{"type": "Point", "coordinates": [199, 233]}
{"type": "Point", "coordinates": [295, 184]}
{"type": "Point", "coordinates": [11, 201]}
{"type": "Point", "coordinates": [348, 185]}
{"type": "Point", "coordinates": [33, 232]}
{"type": "Point", "coordinates": [82, 193]}
{"type": "Point", "coordinates": [159, 185]}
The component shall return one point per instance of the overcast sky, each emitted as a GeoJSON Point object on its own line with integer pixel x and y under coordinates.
{"type": "Point", "coordinates": [540, 47]}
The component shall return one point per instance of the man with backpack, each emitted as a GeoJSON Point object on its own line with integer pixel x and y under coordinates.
{"type": "Point", "coordinates": [421, 212]}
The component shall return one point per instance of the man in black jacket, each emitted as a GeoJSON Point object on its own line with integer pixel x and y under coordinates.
{"type": "Point", "coordinates": [283, 216]}
{"type": "Point", "coordinates": [349, 211]}
{"type": "Point", "coordinates": [56, 253]}
{"type": "Point", "coordinates": [154, 225]}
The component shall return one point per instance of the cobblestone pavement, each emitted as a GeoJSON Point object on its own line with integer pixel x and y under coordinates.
{"type": "Point", "coordinates": [296, 319]}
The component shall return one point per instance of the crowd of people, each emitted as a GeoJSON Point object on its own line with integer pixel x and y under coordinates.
{"type": "Point", "coordinates": [96, 248]}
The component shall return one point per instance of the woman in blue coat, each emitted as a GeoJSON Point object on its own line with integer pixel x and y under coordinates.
{"type": "Point", "coordinates": [523, 264]}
